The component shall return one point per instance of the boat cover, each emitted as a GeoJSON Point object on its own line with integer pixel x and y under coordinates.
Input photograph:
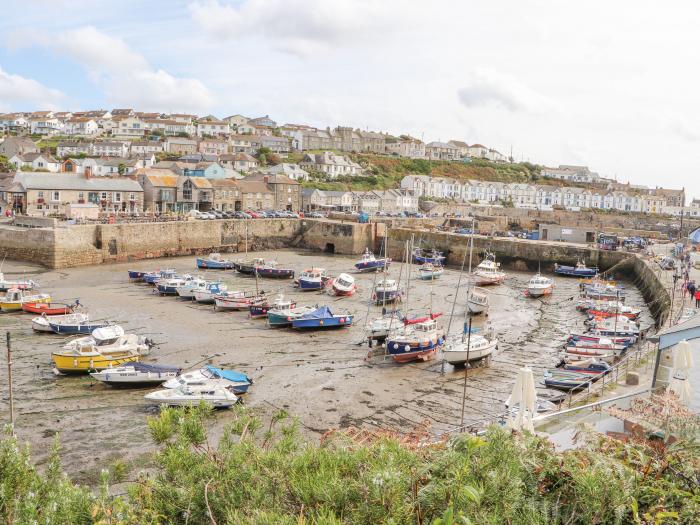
{"type": "Point", "coordinates": [143, 367]}
{"type": "Point", "coordinates": [230, 375]}
{"type": "Point", "coordinates": [322, 312]}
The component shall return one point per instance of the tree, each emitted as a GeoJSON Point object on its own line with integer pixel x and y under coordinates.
{"type": "Point", "coordinates": [5, 164]}
{"type": "Point", "coordinates": [121, 168]}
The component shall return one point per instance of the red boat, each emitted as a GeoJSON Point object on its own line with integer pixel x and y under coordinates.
{"type": "Point", "coordinates": [47, 308]}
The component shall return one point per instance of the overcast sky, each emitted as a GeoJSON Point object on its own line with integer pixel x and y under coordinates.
{"type": "Point", "coordinates": [613, 85]}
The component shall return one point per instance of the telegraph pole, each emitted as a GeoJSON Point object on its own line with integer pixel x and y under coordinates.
{"type": "Point", "coordinates": [9, 382]}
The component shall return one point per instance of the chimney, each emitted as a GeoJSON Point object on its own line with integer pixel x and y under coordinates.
{"type": "Point", "coordinates": [266, 179]}
{"type": "Point", "coordinates": [88, 172]}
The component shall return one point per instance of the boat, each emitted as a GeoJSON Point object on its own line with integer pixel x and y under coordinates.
{"type": "Point", "coordinates": [238, 300]}
{"type": "Point", "coordinates": [50, 309]}
{"type": "Point", "coordinates": [88, 357]}
{"type": "Point", "coordinates": [587, 366]}
{"type": "Point", "coordinates": [6, 285]}
{"type": "Point", "coordinates": [15, 298]}
{"type": "Point", "coordinates": [214, 262]}
{"type": "Point", "coordinates": [488, 271]}
{"type": "Point", "coordinates": [343, 285]}
{"type": "Point", "coordinates": [152, 277]}
{"type": "Point", "coordinates": [379, 328]}
{"type": "Point", "coordinates": [285, 316]}
{"type": "Point", "coordinates": [415, 342]}
{"type": "Point", "coordinates": [386, 291]}
{"type": "Point", "coordinates": [322, 318]}
{"type": "Point", "coordinates": [605, 292]}
{"type": "Point", "coordinates": [211, 393]}
{"type": "Point", "coordinates": [568, 380]}
{"type": "Point", "coordinates": [260, 309]}
{"type": "Point", "coordinates": [477, 300]}
{"type": "Point", "coordinates": [41, 323]}
{"type": "Point", "coordinates": [74, 324]}
{"type": "Point", "coordinates": [429, 271]}
{"type": "Point", "coordinates": [207, 294]}
{"type": "Point", "coordinates": [170, 286]}
{"type": "Point", "coordinates": [313, 279]}
{"type": "Point", "coordinates": [580, 270]}
{"type": "Point", "coordinates": [186, 291]}
{"type": "Point", "coordinates": [612, 308]}
{"type": "Point", "coordinates": [598, 278]}
{"type": "Point", "coordinates": [433, 256]}
{"type": "Point", "coordinates": [238, 380]}
{"type": "Point", "coordinates": [613, 326]}
{"type": "Point", "coordinates": [369, 263]}
{"type": "Point", "coordinates": [590, 337]}
{"type": "Point", "coordinates": [573, 353]}
{"type": "Point", "coordinates": [602, 343]}
{"type": "Point", "coordinates": [111, 339]}
{"type": "Point", "coordinates": [467, 348]}
{"type": "Point", "coordinates": [136, 275]}
{"type": "Point", "coordinates": [272, 270]}
{"type": "Point", "coordinates": [539, 285]}
{"type": "Point", "coordinates": [248, 267]}
{"type": "Point", "coordinates": [136, 374]}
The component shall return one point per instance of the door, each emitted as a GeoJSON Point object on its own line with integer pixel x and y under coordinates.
{"type": "Point", "coordinates": [544, 234]}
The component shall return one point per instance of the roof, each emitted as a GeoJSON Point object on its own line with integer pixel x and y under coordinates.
{"type": "Point", "coordinates": [440, 145]}
{"type": "Point", "coordinates": [70, 181]}
{"type": "Point", "coordinates": [31, 157]}
{"type": "Point", "coordinates": [200, 182]}
{"type": "Point", "coordinates": [223, 183]}
{"type": "Point", "coordinates": [459, 143]}
{"type": "Point", "coordinates": [272, 178]}
{"type": "Point", "coordinates": [158, 177]}
{"type": "Point", "coordinates": [253, 186]}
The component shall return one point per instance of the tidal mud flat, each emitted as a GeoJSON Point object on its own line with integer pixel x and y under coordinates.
{"type": "Point", "coordinates": [322, 378]}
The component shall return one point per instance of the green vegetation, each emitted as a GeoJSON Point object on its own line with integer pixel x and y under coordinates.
{"type": "Point", "coordinates": [267, 474]}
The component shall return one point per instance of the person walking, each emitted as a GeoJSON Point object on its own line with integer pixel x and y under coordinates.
{"type": "Point", "coordinates": [697, 298]}
{"type": "Point", "coordinates": [691, 289]}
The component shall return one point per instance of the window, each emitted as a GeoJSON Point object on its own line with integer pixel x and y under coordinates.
{"type": "Point", "coordinates": [117, 196]}
{"type": "Point", "coordinates": [56, 196]}
{"type": "Point", "coordinates": [104, 196]}
{"type": "Point", "coordinates": [132, 196]}
{"type": "Point", "coordinates": [40, 195]}
{"type": "Point", "coordinates": [81, 195]}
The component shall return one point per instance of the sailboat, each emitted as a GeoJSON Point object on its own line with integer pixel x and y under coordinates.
{"type": "Point", "coordinates": [388, 290]}
{"type": "Point", "coordinates": [477, 298]}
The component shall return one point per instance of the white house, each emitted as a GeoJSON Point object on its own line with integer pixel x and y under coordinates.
{"type": "Point", "coordinates": [293, 171]}
{"type": "Point", "coordinates": [69, 148]}
{"type": "Point", "coordinates": [109, 148]}
{"type": "Point", "coordinates": [211, 125]}
{"type": "Point", "coordinates": [36, 161]}
{"type": "Point", "coordinates": [81, 126]}
{"type": "Point", "coordinates": [45, 125]}
{"type": "Point", "coordinates": [128, 127]}
{"type": "Point", "coordinates": [330, 164]}
{"type": "Point", "coordinates": [141, 147]}
{"type": "Point", "coordinates": [441, 151]}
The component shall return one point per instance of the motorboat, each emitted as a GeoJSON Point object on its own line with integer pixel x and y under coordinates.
{"type": "Point", "coordinates": [343, 285]}
{"type": "Point", "coordinates": [567, 380]}
{"type": "Point", "coordinates": [136, 374]}
{"type": "Point", "coordinates": [6, 284]}
{"type": "Point", "coordinates": [49, 309]}
{"type": "Point", "coordinates": [238, 380]}
{"type": "Point", "coordinates": [122, 343]}
{"type": "Point", "coordinates": [152, 277]}
{"type": "Point", "coordinates": [248, 267]}
{"type": "Point", "coordinates": [605, 292]}
{"type": "Point", "coordinates": [386, 291]}
{"type": "Point", "coordinates": [313, 279]}
{"type": "Point", "coordinates": [215, 394]}
{"type": "Point", "coordinates": [170, 286]}
{"type": "Point", "coordinates": [322, 318]}
{"type": "Point", "coordinates": [539, 285]}
{"type": "Point", "coordinates": [605, 309]}
{"type": "Point", "coordinates": [16, 297]}
{"type": "Point", "coordinates": [214, 262]}
{"type": "Point", "coordinates": [601, 344]}
{"type": "Point", "coordinates": [415, 342]}
{"type": "Point", "coordinates": [432, 256]}
{"type": "Point", "coordinates": [618, 325]}
{"type": "Point", "coordinates": [74, 324]}
{"type": "Point", "coordinates": [136, 275]}
{"type": "Point", "coordinates": [41, 323]}
{"type": "Point", "coordinates": [379, 328]}
{"type": "Point", "coordinates": [590, 337]}
{"type": "Point", "coordinates": [467, 348]}
{"type": "Point", "coordinates": [186, 291]}
{"type": "Point", "coordinates": [260, 309]}
{"type": "Point", "coordinates": [488, 271]}
{"type": "Point", "coordinates": [477, 300]}
{"type": "Point", "coordinates": [587, 366]}
{"type": "Point", "coordinates": [207, 294]}
{"type": "Point", "coordinates": [272, 269]}
{"type": "Point", "coordinates": [429, 271]}
{"type": "Point", "coordinates": [369, 263]}
{"type": "Point", "coordinates": [580, 270]}
{"type": "Point", "coordinates": [284, 317]}
{"type": "Point", "coordinates": [574, 353]}
{"type": "Point", "coordinates": [88, 357]}
{"type": "Point", "coordinates": [238, 300]}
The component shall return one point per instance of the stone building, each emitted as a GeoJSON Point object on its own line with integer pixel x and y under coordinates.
{"type": "Point", "coordinates": [287, 192]}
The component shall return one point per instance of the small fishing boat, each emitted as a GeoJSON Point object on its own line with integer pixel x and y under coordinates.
{"type": "Point", "coordinates": [602, 344]}
{"type": "Point", "coordinates": [604, 292]}
{"type": "Point", "coordinates": [214, 262]}
{"type": "Point", "coordinates": [429, 271]}
{"type": "Point", "coordinates": [590, 337]}
{"type": "Point", "coordinates": [284, 317]}
{"type": "Point", "coordinates": [587, 366]}
{"type": "Point", "coordinates": [539, 285]}
{"type": "Point", "coordinates": [477, 300]}
{"type": "Point", "coordinates": [467, 348]}
{"type": "Point", "coordinates": [313, 279]}
{"type": "Point", "coordinates": [573, 353]}
{"type": "Point", "coordinates": [238, 300]}
{"type": "Point", "coordinates": [50, 309]}
{"type": "Point", "coordinates": [207, 294]}
{"type": "Point", "coordinates": [186, 291]}
{"type": "Point", "coordinates": [73, 324]}
{"type": "Point", "coordinates": [567, 380]}
{"type": "Point", "coordinates": [41, 324]}
{"type": "Point", "coordinates": [386, 291]}
{"type": "Point", "coordinates": [238, 380]}
{"type": "Point", "coordinates": [211, 393]}
{"type": "Point", "coordinates": [272, 270]}
{"type": "Point", "coordinates": [580, 270]}
{"type": "Point", "coordinates": [615, 325]}
{"type": "Point", "coordinates": [343, 285]}
{"type": "Point", "coordinates": [111, 339]}
{"type": "Point", "coordinates": [260, 309]}
{"type": "Point", "coordinates": [380, 327]}
{"type": "Point", "coordinates": [322, 318]}
{"type": "Point", "coordinates": [433, 256]}
{"type": "Point", "coordinates": [415, 342]}
{"type": "Point", "coordinates": [136, 374]}
{"type": "Point", "coordinates": [488, 271]}
{"type": "Point", "coordinates": [152, 277]}
{"type": "Point", "coordinates": [248, 267]}
{"type": "Point", "coordinates": [6, 284]}
{"type": "Point", "coordinates": [597, 279]}
{"type": "Point", "coordinates": [136, 276]}
{"type": "Point", "coordinates": [89, 357]}
{"type": "Point", "coordinates": [606, 309]}
{"type": "Point", "coordinates": [170, 286]}
{"type": "Point", "coordinates": [15, 298]}
{"type": "Point", "coordinates": [369, 263]}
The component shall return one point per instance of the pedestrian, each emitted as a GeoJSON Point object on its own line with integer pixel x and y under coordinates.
{"type": "Point", "coordinates": [691, 289]}
{"type": "Point", "coordinates": [697, 298]}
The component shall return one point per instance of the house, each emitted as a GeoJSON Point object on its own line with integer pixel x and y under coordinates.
{"type": "Point", "coordinates": [180, 146]}
{"type": "Point", "coordinates": [441, 151]}
{"type": "Point", "coordinates": [213, 146]}
{"type": "Point", "coordinates": [82, 126]}
{"type": "Point", "coordinates": [405, 146]}
{"type": "Point", "coordinates": [170, 127]}
{"type": "Point", "coordinates": [12, 146]}
{"type": "Point", "coordinates": [211, 170]}
{"type": "Point", "coordinates": [160, 188]}
{"type": "Point", "coordinates": [194, 193]}
{"type": "Point", "coordinates": [265, 121]}
{"type": "Point", "coordinates": [293, 171]}
{"type": "Point", "coordinates": [653, 203]}
{"type": "Point", "coordinates": [366, 201]}
{"type": "Point", "coordinates": [122, 112]}
{"type": "Point", "coordinates": [280, 145]}
{"type": "Point", "coordinates": [571, 173]}
{"type": "Point", "coordinates": [185, 118]}
{"type": "Point", "coordinates": [15, 122]}
{"type": "Point", "coordinates": [51, 193]}
{"type": "Point", "coordinates": [236, 120]}
{"type": "Point", "coordinates": [238, 161]}
{"type": "Point", "coordinates": [462, 148]}
{"type": "Point", "coordinates": [127, 126]}
{"type": "Point", "coordinates": [672, 197]}
{"type": "Point", "coordinates": [227, 195]}
{"type": "Point", "coordinates": [245, 143]}
{"type": "Point", "coordinates": [331, 164]}
{"type": "Point", "coordinates": [287, 192]}
{"type": "Point", "coordinates": [109, 148]}
{"type": "Point", "coordinates": [477, 151]}
{"type": "Point", "coordinates": [36, 162]}
{"type": "Point", "coordinates": [72, 148]}
{"type": "Point", "coordinates": [256, 195]}
{"type": "Point", "coordinates": [213, 127]}
{"type": "Point", "coordinates": [48, 125]}
{"type": "Point", "coordinates": [140, 147]}
{"type": "Point", "coordinates": [315, 199]}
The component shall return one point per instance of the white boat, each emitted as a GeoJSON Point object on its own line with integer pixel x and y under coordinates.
{"type": "Point", "coordinates": [379, 328]}
{"type": "Point", "coordinates": [186, 291]}
{"type": "Point", "coordinates": [131, 343]}
{"type": "Point", "coordinates": [614, 326]}
{"type": "Point", "coordinates": [237, 300]}
{"type": "Point", "coordinates": [6, 284]}
{"type": "Point", "coordinates": [238, 380]}
{"type": "Point", "coordinates": [429, 271]}
{"type": "Point", "coordinates": [41, 323]}
{"type": "Point", "coordinates": [343, 285]}
{"type": "Point", "coordinates": [214, 394]}
{"type": "Point", "coordinates": [539, 285]}
{"type": "Point", "coordinates": [15, 298]}
{"type": "Point", "coordinates": [467, 348]}
{"type": "Point", "coordinates": [206, 295]}
{"type": "Point", "coordinates": [386, 291]}
{"type": "Point", "coordinates": [488, 271]}
{"type": "Point", "coordinates": [477, 300]}
{"type": "Point", "coordinates": [136, 374]}
{"type": "Point", "coordinates": [573, 354]}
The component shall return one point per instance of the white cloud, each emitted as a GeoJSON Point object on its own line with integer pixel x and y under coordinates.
{"type": "Point", "coordinates": [126, 76]}
{"type": "Point", "coordinates": [16, 90]}
{"type": "Point", "coordinates": [488, 88]}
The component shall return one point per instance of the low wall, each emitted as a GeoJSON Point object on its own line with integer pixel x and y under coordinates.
{"type": "Point", "coordinates": [25, 244]}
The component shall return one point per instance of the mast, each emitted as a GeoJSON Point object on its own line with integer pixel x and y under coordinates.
{"type": "Point", "coordinates": [452, 312]}
{"type": "Point", "coordinates": [408, 276]}
{"type": "Point", "coordinates": [469, 282]}
{"type": "Point", "coordinates": [466, 371]}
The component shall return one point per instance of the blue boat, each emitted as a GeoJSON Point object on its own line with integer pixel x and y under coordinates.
{"type": "Point", "coordinates": [370, 263]}
{"type": "Point", "coordinates": [152, 277]}
{"type": "Point", "coordinates": [258, 310]}
{"type": "Point", "coordinates": [136, 275]}
{"type": "Point", "coordinates": [75, 328]}
{"type": "Point", "coordinates": [170, 286]}
{"type": "Point", "coordinates": [387, 291]}
{"type": "Point", "coordinates": [214, 262]}
{"type": "Point", "coordinates": [278, 318]}
{"type": "Point", "coordinates": [272, 270]}
{"type": "Point", "coordinates": [241, 382]}
{"type": "Point", "coordinates": [580, 270]}
{"type": "Point", "coordinates": [322, 318]}
{"type": "Point", "coordinates": [418, 341]}
{"type": "Point", "coordinates": [434, 257]}
{"type": "Point", "coordinates": [313, 279]}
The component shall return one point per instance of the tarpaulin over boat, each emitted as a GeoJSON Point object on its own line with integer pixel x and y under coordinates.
{"type": "Point", "coordinates": [322, 312]}
{"type": "Point", "coordinates": [695, 236]}
{"type": "Point", "coordinates": [230, 375]}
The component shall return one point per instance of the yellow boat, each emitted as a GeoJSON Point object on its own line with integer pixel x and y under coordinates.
{"type": "Point", "coordinates": [15, 298]}
{"type": "Point", "coordinates": [88, 359]}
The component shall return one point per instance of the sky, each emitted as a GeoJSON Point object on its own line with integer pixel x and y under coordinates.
{"type": "Point", "coordinates": [611, 85]}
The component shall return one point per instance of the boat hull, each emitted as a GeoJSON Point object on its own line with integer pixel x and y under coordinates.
{"type": "Point", "coordinates": [338, 321]}
{"type": "Point", "coordinates": [278, 321]}
{"type": "Point", "coordinates": [275, 273]}
{"type": "Point", "coordinates": [135, 275]}
{"type": "Point", "coordinates": [311, 285]}
{"type": "Point", "coordinates": [259, 311]}
{"type": "Point", "coordinates": [536, 291]}
{"type": "Point", "coordinates": [430, 276]}
{"type": "Point", "coordinates": [388, 296]}
{"type": "Point", "coordinates": [570, 271]}
{"type": "Point", "coordinates": [207, 264]}
{"type": "Point", "coordinates": [166, 290]}
{"type": "Point", "coordinates": [405, 352]}
{"type": "Point", "coordinates": [14, 306]}
{"type": "Point", "coordinates": [420, 259]}
{"type": "Point", "coordinates": [46, 309]}
{"type": "Point", "coordinates": [84, 364]}
{"type": "Point", "coordinates": [40, 324]}
{"type": "Point", "coordinates": [85, 329]}
{"type": "Point", "coordinates": [372, 266]}
{"type": "Point", "coordinates": [461, 357]}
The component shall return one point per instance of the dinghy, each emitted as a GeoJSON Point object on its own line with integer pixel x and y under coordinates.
{"type": "Point", "coordinates": [322, 318]}
{"type": "Point", "coordinates": [214, 262]}
{"type": "Point", "coordinates": [41, 324]}
{"type": "Point", "coordinates": [136, 374]}
{"type": "Point", "coordinates": [238, 380]}
{"type": "Point", "coordinates": [343, 285]}
{"type": "Point", "coordinates": [211, 393]}
{"type": "Point", "coordinates": [477, 300]}
{"type": "Point", "coordinates": [74, 324]}
{"type": "Point", "coordinates": [49, 309]}
{"type": "Point", "coordinates": [369, 263]}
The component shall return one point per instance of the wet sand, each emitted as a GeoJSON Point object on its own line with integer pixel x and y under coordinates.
{"type": "Point", "coordinates": [322, 378]}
